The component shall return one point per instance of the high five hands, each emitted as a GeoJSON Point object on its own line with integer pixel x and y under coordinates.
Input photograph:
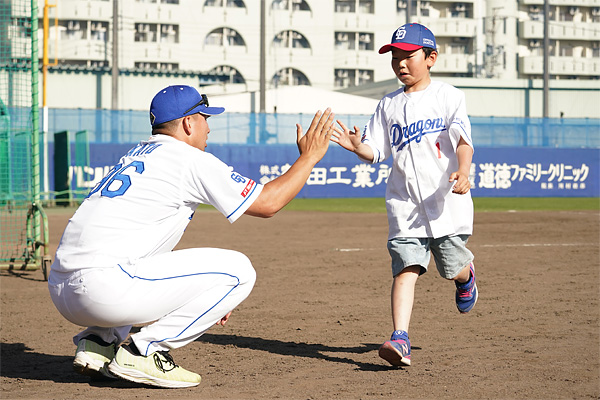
{"type": "Point", "coordinates": [316, 140]}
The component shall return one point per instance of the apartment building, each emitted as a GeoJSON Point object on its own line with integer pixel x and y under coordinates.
{"type": "Point", "coordinates": [328, 44]}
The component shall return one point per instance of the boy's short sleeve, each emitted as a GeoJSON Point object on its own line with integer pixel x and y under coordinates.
{"type": "Point", "coordinates": [460, 125]}
{"type": "Point", "coordinates": [374, 135]}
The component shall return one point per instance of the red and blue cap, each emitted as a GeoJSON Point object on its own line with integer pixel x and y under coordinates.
{"type": "Point", "coordinates": [410, 37]}
{"type": "Point", "coordinates": [179, 101]}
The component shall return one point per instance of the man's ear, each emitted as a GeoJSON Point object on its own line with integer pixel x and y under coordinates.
{"type": "Point", "coordinates": [187, 124]}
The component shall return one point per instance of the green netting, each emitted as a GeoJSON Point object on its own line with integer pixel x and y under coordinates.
{"type": "Point", "coordinates": [21, 216]}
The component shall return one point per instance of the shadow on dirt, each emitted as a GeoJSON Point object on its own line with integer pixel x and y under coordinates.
{"type": "Point", "coordinates": [295, 349]}
{"type": "Point", "coordinates": [19, 362]}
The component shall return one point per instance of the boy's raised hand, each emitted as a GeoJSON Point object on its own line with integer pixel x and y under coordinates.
{"type": "Point", "coordinates": [349, 140]}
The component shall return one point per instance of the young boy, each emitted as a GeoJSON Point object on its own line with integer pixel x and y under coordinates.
{"type": "Point", "coordinates": [425, 128]}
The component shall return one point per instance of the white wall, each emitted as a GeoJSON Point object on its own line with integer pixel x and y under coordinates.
{"type": "Point", "coordinates": [485, 97]}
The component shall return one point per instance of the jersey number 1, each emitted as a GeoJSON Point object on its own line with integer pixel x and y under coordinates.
{"type": "Point", "coordinates": [116, 174]}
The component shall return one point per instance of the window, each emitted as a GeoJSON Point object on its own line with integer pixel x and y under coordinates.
{"type": "Point", "coordinates": [151, 66]}
{"type": "Point", "coordinates": [22, 26]}
{"type": "Point", "coordinates": [224, 37]}
{"type": "Point", "coordinates": [536, 12]}
{"type": "Point", "coordinates": [146, 65]}
{"type": "Point", "coordinates": [290, 39]}
{"type": "Point", "coordinates": [352, 77]}
{"type": "Point", "coordinates": [98, 30]}
{"type": "Point", "coordinates": [595, 14]}
{"type": "Point", "coordinates": [345, 6]}
{"type": "Point", "coordinates": [365, 41]}
{"type": "Point", "coordinates": [169, 33]}
{"type": "Point", "coordinates": [535, 48]}
{"type": "Point", "coordinates": [345, 40]}
{"type": "Point", "coordinates": [234, 75]}
{"type": "Point", "coordinates": [98, 64]}
{"type": "Point", "coordinates": [225, 3]}
{"type": "Point", "coordinates": [289, 77]}
{"type": "Point", "coordinates": [364, 76]}
{"type": "Point", "coordinates": [366, 6]}
{"type": "Point", "coordinates": [354, 40]}
{"type": "Point", "coordinates": [566, 50]}
{"type": "Point", "coordinates": [567, 13]}
{"type": "Point", "coordinates": [459, 46]}
{"type": "Point", "coordinates": [73, 30]}
{"type": "Point", "coordinates": [458, 10]}
{"type": "Point", "coordinates": [146, 33]}
{"type": "Point", "coordinates": [343, 77]}
{"type": "Point", "coordinates": [294, 5]}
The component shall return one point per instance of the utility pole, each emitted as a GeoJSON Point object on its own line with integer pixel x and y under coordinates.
{"type": "Point", "coordinates": [494, 53]}
{"type": "Point", "coordinates": [546, 57]}
{"type": "Point", "coordinates": [408, 11]}
{"type": "Point", "coordinates": [114, 113]}
{"type": "Point", "coordinates": [262, 57]}
{"type": "Point", "coordinates": [115, 56]}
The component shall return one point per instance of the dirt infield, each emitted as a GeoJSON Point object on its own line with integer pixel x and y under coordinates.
{"type": "Point", "coordinates": [320, 309]}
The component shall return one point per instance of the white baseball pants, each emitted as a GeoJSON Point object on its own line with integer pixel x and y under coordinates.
{"type": "Point", "coordinates": [184, 292]}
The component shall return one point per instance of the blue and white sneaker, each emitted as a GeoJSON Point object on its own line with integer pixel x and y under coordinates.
{"type": "Point", "coordinates": [396, 351]}
{"type": "Point", "coordinates": [466, 293]}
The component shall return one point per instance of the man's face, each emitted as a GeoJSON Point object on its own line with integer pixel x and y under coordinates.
{"type": "Point", "coordinates": [200, 131]}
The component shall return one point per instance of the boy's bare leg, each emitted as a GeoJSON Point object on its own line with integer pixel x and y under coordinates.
{"type": "Point", "coordinates": [403, 295]}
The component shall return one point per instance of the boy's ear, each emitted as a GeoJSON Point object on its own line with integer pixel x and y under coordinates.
{"type": "Point", "coordinates": [431, 59]}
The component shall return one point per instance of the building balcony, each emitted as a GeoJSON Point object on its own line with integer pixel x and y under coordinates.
{"type": "Point", "coordinates": [560, 30]}
{"type": "Point", "coordinates": [581, 3]}
{"type": "Point", "coordinates": [352, 21]}
{"type": "Point", "coordinates": [78, 50]}
{"type": "Point", "coordinates": [571, 66]}
{"type": "Point", "coordinates": [452, 27]}
{"type": "Point", "coordinates": [454, 63]}
{"type": "Point", "coordinates": [77, 9]}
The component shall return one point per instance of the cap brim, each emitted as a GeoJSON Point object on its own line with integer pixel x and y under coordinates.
{"type": "Point", "coordinates": [401, 46]}
{"type": "Point", "coordinates": [202, 109]}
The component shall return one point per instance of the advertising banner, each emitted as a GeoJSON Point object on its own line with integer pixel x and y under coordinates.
{"type": "Point", "coordinates": [495, 172]}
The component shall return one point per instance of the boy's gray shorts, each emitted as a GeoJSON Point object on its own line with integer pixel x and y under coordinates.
{"type": "Point", "coordinates": [449, 252]}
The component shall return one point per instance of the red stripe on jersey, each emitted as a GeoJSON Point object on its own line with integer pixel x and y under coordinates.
{"type": "Point", "coordinates": [247, 188]}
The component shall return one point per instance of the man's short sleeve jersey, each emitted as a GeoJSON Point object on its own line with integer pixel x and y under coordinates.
{"type": "Point", "coordinates": [143, 205]}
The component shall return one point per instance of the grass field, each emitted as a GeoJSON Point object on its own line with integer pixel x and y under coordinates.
{"type": "Point", "coordinates": [481, 204]}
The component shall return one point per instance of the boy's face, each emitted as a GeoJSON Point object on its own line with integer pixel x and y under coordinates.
{"type": "Point", "coordinates": [412, 68]}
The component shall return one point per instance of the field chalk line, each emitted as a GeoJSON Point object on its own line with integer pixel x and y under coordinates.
{"type": "Point", "coordinates": [495, 245]}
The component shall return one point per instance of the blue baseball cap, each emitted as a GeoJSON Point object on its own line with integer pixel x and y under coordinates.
{"type": "Point", "coordinates": [410, 37]}
{"type": "Point", "coordinates": [178, 101]}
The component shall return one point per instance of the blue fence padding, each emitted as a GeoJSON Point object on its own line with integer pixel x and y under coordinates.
{"type": "Point", "coordinates": [495, 172]}
{"type": "Point", "coordinates": [534, 157]}
{"type": "Point", "coordinates": [106, 126]}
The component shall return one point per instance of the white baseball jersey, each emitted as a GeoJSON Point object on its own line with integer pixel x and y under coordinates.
{"type": "Point", "coordinates": [115, 267]}
{"type": "Point", "coordinates": [142, 207]}
{"type": "Point", "coordinates": [421, 131]}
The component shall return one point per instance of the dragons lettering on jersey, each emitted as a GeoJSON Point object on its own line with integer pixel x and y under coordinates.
{"type": "Point", "coordinates": [402, 135]}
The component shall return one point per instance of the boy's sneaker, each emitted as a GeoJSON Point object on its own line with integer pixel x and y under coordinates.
{"type": "Point", "coordinates": [396, 351]}
{"type": "Point", "coordinates": [157, 369]}
{"type": "Point", "coordinates": [466, 293]}
{"type": "Point", "coordinates": [93, 356]}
